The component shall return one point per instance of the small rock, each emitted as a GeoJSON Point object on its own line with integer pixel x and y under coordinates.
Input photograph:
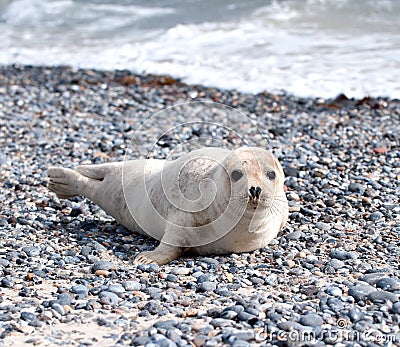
{"type": "Point", "coordinates": [360, 292]}
{"type": "Point", "coordinates": [131, 285]}
{"type": "Point", "coordinates": [102, 265]}
{"type": "Point", "coordinates": [7, 282]}
{"type": "Point", "coordinates": [153, 306]}
{"type": "Point", "coordinates": [181, 271]}
{"type": "Point", "coordinates": [382, 296]}
{"type": "Point", "coordinates": [247, 317]}
{"type": "Point", "coordinates": [108, 298]}
{"type": "Point", "coordinates": [166, 324]}
{"type": "Point", "coordinates": [64, 299]}
{"type": "Point", "coordinates": [389, 283]}
{"type": "Point", "coordinates": [336, 264]}
{"type": "Point", "coordinates": [75, 212]}
{"type": "Point", "coordinates": [355, 314]}
{"type": "Point", "coordinates": [28, 316]}
{"type": "Point", "coordinates": [356, 187]}
{"type": "Point", "coordinates": [334, 291]}
{"type": "Point", "coordinates": [101, 273]}
{"type": "Point", "coordinates": [220, 322]}
{"type": "Point", "coordinates": [311, 320]}
{"type": "Point", "coordinates": [31, 251]}
{"type": "Point", "coordinates": [80, 289]}
{"type": "Point", "coordinates": [149, 268]}
{"type": "Point", "coordinates": [229, 314]}
{"type": "Point", "coordinates": [396, 307]}
{"type": "Point", "coordinates": [375, 216]}
{"type": "Point", "coordinates": [373, 278]}
{"type": "Point", "coordinates": [342, 255]}
{"type": "Point", "coordinates": [323, 226]}
{"type": "Point", "coordinates": [295, 235]}
{"type": "Point", "coordinates": [207, 286]}
{"type": "Point", "coordinates": [116, 288]}
{"type": "Point", "coordinates": [380, 150]}
{"type": "Point", "coordinates": [30, 276]}
{"type": "Point", "coordinates": [58, 308]}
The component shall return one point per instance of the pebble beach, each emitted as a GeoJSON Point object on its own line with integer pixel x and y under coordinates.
{"type": "Point", "coordinates": [330, 278]}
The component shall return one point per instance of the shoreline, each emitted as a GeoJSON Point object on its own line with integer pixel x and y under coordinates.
{"type": "Point", "coordinates": [66, 263]}
{"type": "Point", "coordinates": [127, 77]}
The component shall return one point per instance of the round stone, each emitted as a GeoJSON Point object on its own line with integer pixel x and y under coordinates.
{"type": "Point", "coordinates": [7, 282]}
{"type": "Point", "coordinates": [360, 292]}
{"type": "Point", "coordinates": [396, 307]}
{"type": "Point", "coordinates": [389, 283]}
{"type": "Point", "coordinates": [181, 271]}
{"type": "Point", "coordinates": [28, 316]}
{"type": "Point", "coordinates": [336, 264]}
{"type": "Point", "coordinates": [80, 289]}
{"type": "Point", "coordinates": [375, 216]}
{"type": "Point", "coordinates": [116, 288]}
{"type": "Point", "coordinates": [108, 298]}
{"type": "Point", "coordinates": [102, 265]}
{"type": "Point", "coordinates": [207, 286]}
{"type": "Point", "coordinates": [132, 285]}
{"type": "Point", "coordinates": [341, 255]}
{"type": "Point", "coordinates": [220, 322]}
{"type": "Point", "coordinates": [355, 314]}
{"type": "Point", "coordinates": [149, 268]}
{"type": "Point", "coordinates": [64, 299]}
{"type": "Point", "coordinates": [58, 308]}
{"type": "Point", "coordinates": [166, 324]}
{"type": "Point", "coordinates": [334, 291]}
{"type": "Point", "coordinates": [382, 296]}
{"type": "Point", "coordinates": [153, 306]}
{"type": "Point", "coordinates": [31, 251]}
{"type": "Point", "coordinates": [311, 320]}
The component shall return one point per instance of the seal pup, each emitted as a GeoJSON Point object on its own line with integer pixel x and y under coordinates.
{"type": "Point", "coordinates": [207, 202]}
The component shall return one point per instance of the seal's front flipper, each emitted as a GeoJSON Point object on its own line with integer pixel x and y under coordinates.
{"type": "Point", "coordinates": [163, 254]}
{"type": "Point", "coordinates": [66, 183]}
{"type": "Point", "coordinates": [96, 172]}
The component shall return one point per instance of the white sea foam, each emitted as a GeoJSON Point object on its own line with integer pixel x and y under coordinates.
{"type": "Point", "coordinates": [304, 47]}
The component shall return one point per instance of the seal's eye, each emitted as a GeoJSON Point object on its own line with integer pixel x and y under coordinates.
{"type": "Point", "coordinates": [271, 174]}
{"type": "Point", "coordinates": [236, 175]}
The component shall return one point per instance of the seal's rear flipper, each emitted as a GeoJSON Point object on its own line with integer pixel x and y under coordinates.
{"type": "Point", "coordinates": [66, 183]}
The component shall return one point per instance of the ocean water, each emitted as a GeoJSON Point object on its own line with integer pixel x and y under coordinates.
{"type": "Point", "coordinates": [317, 48]}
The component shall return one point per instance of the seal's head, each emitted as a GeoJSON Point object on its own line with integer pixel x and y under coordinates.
{"type": "Point", "coordinates": [256, 180]}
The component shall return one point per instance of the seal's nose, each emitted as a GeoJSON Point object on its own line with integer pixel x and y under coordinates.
{"type": "Point", "coordinates": [255, 192]}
